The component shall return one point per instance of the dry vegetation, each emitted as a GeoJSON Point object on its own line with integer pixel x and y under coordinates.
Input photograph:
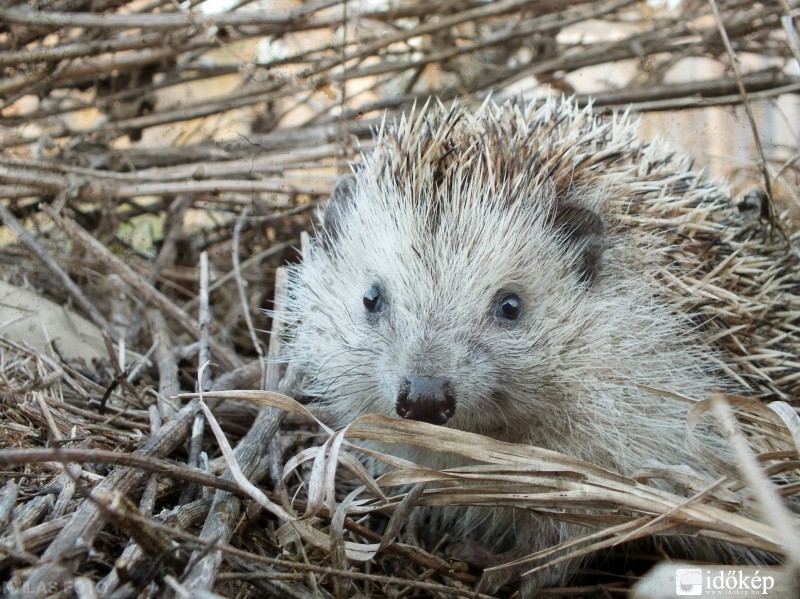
{"type": "Point", "coordinates": [159, 163]}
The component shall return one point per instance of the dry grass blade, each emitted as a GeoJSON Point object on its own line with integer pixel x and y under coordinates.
{"type": "Point", "coordinates": [771, 506]}
{"type": "Point", "coordinates": [531, 478]}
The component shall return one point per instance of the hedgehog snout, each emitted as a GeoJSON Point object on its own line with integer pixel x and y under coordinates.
{"type": "Point", "coordinates": [426, 398]}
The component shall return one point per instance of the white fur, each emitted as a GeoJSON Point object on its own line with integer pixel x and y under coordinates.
{"type": "Point", "coordinates": [567, 374]}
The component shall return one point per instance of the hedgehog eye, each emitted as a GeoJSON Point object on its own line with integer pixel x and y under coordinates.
{"type": "Point", "coordinates": [509, 307]}
{"type": "Point", "coordinates": [373, 301]}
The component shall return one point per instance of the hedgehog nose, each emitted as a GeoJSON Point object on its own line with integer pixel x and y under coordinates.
{"type": "Point", "coordinates": [427, 398]}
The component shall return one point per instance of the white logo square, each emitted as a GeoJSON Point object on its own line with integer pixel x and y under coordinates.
{"type": "Point", "coordinates": [689, 581]}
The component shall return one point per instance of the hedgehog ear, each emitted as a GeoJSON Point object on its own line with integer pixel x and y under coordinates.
{"type": "Point", "coordinates": [582, 230]}
{"type": "Point", "coordinates": [339, 204]}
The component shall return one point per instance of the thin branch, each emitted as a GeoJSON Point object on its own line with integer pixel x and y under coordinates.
{"type": "Point", "coordinates": [743, 93]}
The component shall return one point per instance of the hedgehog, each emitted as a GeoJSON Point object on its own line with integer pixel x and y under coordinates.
{"type": "Point", "coordinates": [531, 271]}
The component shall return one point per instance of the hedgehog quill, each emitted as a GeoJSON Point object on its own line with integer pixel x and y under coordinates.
{"type": "Point", "coordinates": [526, 271]}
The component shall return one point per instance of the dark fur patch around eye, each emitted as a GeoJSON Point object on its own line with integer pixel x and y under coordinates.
{"type": "Point", "coordinates": [582, 230]}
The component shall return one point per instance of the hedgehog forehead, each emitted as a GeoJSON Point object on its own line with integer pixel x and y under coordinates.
{"type": "Point", "coordinates": [513, 145]}
{"type": "Point", "coordinates": [473, 247]}
{"type": "Point", "coordinates": [487, 149]}
{"type": "Point", "coordinates": [450, 195]}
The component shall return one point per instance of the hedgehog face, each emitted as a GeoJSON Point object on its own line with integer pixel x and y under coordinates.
{"type": "Point", "coordinates": [436, 303]}
{"type": "Point", "coordinates": [473, 272]}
